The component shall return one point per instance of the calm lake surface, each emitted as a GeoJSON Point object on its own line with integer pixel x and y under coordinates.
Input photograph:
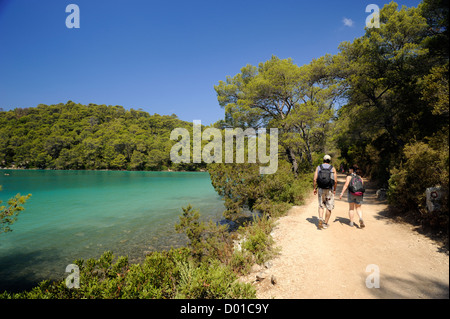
{"type": "Point", "coordinates": [80, 214]}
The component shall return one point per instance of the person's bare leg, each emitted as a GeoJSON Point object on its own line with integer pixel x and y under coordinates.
{"type": "Point", "coordinates": [351, 212]}
{"type": "Point", "coordinates": [327, 216]}
{"type": "Point", "coordinates": [359, 212]}
{"type": "Point", "coordinates": [320, 213]}
{"type": "Point", "coordinates": [320, 217]}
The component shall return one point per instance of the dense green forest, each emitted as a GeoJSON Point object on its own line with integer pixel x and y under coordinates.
{"type": "Point", "coordinates": [75, 136]}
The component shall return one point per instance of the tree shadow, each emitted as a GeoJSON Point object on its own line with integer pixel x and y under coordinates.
{"type": "Point", "coordinates": [386, 216]}
{"type": "Point", "coordinates": [390, 216]}
{"type": "Point", "coordinates": [21, 271]}
{"type": "Point", "coordinates": [234, 225]}
{"type": "Point", "coordinates": [417, 286]}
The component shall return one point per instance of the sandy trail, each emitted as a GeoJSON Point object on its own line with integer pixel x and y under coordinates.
{"type": "Point", "coordinates": [331, 263]}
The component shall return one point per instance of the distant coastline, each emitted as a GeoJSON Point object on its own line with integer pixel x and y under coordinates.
{"type": "Point", "coordinates": [100, 170]}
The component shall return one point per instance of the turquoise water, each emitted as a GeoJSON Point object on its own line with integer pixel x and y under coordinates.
{"type": "Point", "coordinates": [80, 214]}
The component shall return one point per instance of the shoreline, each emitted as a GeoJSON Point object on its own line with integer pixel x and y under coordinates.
{"type": "Point", "coordinates": [137, 250]}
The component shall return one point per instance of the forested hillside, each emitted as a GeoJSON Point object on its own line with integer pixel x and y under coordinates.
{"type": "Point", "coordinates": [75, 136]}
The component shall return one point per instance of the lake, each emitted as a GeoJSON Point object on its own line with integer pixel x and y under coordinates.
{"type": "Point", "coordinates": [80, 214]}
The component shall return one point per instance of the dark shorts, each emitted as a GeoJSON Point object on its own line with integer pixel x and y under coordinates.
{"type": "Point", "coordinates": [355, 199]}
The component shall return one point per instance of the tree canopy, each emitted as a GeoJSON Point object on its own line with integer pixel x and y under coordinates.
{"type": "Point", "coordinates": [299, 101]}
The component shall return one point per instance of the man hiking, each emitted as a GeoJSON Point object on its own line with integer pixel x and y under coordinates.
{"type": "Point", "coordinates": [325, 182]}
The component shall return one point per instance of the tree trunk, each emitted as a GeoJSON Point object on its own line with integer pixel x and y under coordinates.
{"type": "Point", "coordinates": [291, 157]}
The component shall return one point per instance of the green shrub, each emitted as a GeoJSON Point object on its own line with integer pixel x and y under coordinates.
{"type": "Point", "coordinates": [206, 240]}
{"type": "Point", "coordinates": [424, 167]}
{"type": "Point", "coordinates": [210, 281]}
{"type": "Point", "coordinates": [241, 261]}
{"type": "Point", "coordinates": [241, 185]}
{"type": "Point", "coordinates": [258, 240]}
{"type": "Point", "coordinates": [8, 215]}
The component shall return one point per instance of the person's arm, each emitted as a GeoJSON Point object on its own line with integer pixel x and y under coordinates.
{"type": "Point", "coordinates": [347, 181]}
{"type": "Point", "coordinates": [335, 180]}
{"type": "Point", "coordinates": [315, 181]}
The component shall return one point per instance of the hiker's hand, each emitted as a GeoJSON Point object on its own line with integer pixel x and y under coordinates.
{"type": "Point", "coordinates": [340, 196]}
{"type": "Point", "coordinates": [315, 191]}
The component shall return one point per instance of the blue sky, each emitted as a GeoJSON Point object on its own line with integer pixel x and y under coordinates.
{"type": "Point", "coordinates": [162, 56]}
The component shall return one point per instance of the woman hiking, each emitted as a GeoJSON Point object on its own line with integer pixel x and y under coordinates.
{"type": "Point", "coordinates": [355, 185]}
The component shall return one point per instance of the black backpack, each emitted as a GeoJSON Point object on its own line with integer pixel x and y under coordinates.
{"type": "Point", "coordinates": [356, 185]}
{"type": "Point", "coordinates": [324, 179]}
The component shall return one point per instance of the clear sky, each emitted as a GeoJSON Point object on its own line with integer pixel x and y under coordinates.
{"type": "Point", "coordinates": [162, 56]}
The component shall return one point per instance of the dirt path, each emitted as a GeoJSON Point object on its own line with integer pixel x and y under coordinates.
{"type": "Point", "coordinates": [331, 263]}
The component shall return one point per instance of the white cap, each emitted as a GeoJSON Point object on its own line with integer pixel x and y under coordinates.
{"type": "Point", "coordinates": [327, 157]}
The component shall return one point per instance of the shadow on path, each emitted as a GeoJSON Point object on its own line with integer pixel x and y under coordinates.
{"type": "Point", "coordinates": [391, 287]}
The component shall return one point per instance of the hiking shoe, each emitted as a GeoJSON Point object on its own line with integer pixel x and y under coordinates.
{"type": "Point", "coordinates": [320, 225]}
{"type": "Point", "coordinates": [351, 224]}
{"type": "Point", "coordinates": [325, 225]}
{"type": "Point", "coordinates": [361, 224]}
